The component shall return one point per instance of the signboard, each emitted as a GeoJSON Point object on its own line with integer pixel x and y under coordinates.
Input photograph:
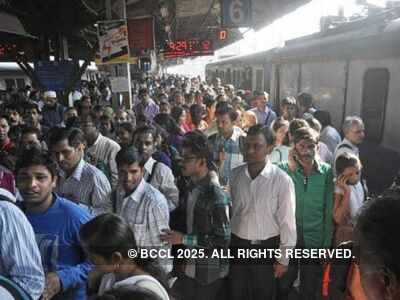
{"type": "Point", "coordinates": [188, 8]}
{"type": "Point", "coordinates": [54, 75]}
{"type": "Point", "coordinates": [113, 41]}
{"type": "Point", "coordinates": [119, 84]}
{"type": "Point", "coordinates": [141, 35]}
{"type": "Point", "coordinates": [236, 13]}
{"type": "Point", "coordinates": [188, 48]}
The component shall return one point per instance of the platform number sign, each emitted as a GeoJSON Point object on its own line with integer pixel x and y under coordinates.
{"type": "Point", "coordinates": [236, 13]}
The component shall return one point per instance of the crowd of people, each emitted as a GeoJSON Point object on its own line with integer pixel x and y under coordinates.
{"type": "Point", "coordinates": [196, 166]}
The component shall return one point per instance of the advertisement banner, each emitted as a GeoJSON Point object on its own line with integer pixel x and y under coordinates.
{"type": "Point", "coordinates": [236, 13]}
{"type": "Point", "coordinates": [141, 35]}
{"type": "Point", "coordinates": [113, 42]}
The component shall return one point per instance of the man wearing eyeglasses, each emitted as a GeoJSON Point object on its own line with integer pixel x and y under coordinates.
{"type": "Point", "coordinates": [207, 220]}
{"type": "Point", "coordinates": [313, 181]}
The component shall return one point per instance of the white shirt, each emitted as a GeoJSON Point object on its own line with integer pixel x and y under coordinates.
{"type": "Point", "coordinates": [144, 281]}
{"type": "Point", "coordinates": [357, 196]}
{"type": "Point", "coordinates": [264, 207]}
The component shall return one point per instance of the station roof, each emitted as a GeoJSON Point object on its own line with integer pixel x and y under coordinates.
{"type": "Point", "coordinates": [175, 19]}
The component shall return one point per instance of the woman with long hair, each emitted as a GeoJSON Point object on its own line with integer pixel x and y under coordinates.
{"type": "Point", "coordinates": [108, 239]}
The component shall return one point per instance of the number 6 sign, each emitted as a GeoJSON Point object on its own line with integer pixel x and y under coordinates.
{"type": "Point", "coordinates": [236, 13]}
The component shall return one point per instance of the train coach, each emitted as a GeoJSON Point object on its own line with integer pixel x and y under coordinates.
{"type": "Point", "coordinates": [353, 69]}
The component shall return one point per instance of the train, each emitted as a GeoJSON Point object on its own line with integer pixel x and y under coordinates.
{"type": "Point", "coordinates": [11, 75]}
{"type": "Point", "coordinates": [353, 69]}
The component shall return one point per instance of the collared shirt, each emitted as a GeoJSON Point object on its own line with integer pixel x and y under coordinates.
{"type": "Point", "coordinates": [20, 258]}
{"type": "Point", "coordinates": [163, 180]}
{"type": "Point", "coordinates": [231, 147]}
{"type": "Point", "coordinates": [88, 186]}
{"type": "Point", "coordinates": [149, 111]}
{"type": "Point", "coordinates": [314, 204]}
{"type": "Point", "coordinates": [208, 228]}
{"type": "Point", "coordinates": [105, 150]}
{"type": "Point", "coordinates": [264, 207]}
{"type": "Point", "coordinates": [265, 117]}
{"type": "Point", "coordinates": [331, 137]}
{"type": "Point", "coordinates": [146, 211]}
{"type": "Point", "coordinates": [279, 154]}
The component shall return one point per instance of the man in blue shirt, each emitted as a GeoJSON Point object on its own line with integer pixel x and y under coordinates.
{"type": "Point", "coordinates": [56, 223]}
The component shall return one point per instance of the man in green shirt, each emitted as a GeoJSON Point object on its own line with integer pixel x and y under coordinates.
{"type": "Point", "coordinates": [313, 181]}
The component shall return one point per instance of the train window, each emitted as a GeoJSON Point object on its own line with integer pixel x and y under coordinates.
{"type": "Point", "coordinates": [9, 82]}
{"type": "Point", "coordinates": [20, 83]}
{"type": "Point", "coordinates": [259, 80]}
{"type": "Point", "coordinates": [228, 76]}
{"type": "Point", "coordinates": [374, 98]}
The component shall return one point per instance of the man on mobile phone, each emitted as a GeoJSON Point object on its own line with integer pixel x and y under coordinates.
{"type": "Point", "coordinates": [313, 181]}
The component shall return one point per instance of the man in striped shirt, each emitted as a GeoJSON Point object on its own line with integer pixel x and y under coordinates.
{"type": "Point", "coordinates": [79, 181]}
{"type": "Point", "coordinates": [20, 257]}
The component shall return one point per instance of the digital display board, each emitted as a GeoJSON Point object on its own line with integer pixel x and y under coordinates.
{"type": "Point", "coordinates": [7, 51]}
{"type": "Point", "coordinates": [188, 48]}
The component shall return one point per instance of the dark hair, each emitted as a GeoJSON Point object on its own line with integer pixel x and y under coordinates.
{"type": "Point", "coordinates": [290, 100]}
{"type": "Point", "coordinates": [176, 113]}
{"type": "Point", "coordinates": [14, 106]}
{"type": "Point", "coordinates": [305, 133]}
{"type": "Point", "coordinates": [209, 100]}
{"type": "Point", "coordinates": [196, 113]}
{"type": "Point", "coordinates": [168, 123]}
{"type": "Point", "coordinates": [324, 117]}
{"type": "Point", "coordinates": [128, 292]}
{"type": "Point", "coordinates": [198, 144]}
{"type": "Point", "coordinates": [146, 129]}
{"type": "Point", "coordinates": [30, 130]}
{"type": "Point", "coordinates": [224, 108]}
{"type": "Point", "coordinates": [344, 161]}
{"type": "Point", "coordinates": [305, 99]}
{"type": "Point", "coordinates": [296, 124]}
{"type": "Point", "coordinates": [74, 136]}
{"type": "Point", "coordinates": [143, 91]}
{"type": "Point", "coordinates": [263, 130]}
{"type": "Point", "coordinates": [109, 233]}
{"type": "Point", "coordinates": [106, 234]}
{"type": "Point", "coordinates": [36, 157]}
{"type": "Point", "coordinates": [98, 108]}
{"type": "Point", "coordinates": [31, 105]}
{"type": "Point", "coordinates": [127, 126]}
{"type": "Point", "coordinates": [129, 156]}
{"type": "Point", "coordinates": [376, 230]}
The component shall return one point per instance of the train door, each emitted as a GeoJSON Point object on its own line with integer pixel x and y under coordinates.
{"type": "Point", "coordinates": [373, 105]}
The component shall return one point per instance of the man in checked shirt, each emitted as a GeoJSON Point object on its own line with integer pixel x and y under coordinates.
{"type": "Point", "coordinates": [207, 220]}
